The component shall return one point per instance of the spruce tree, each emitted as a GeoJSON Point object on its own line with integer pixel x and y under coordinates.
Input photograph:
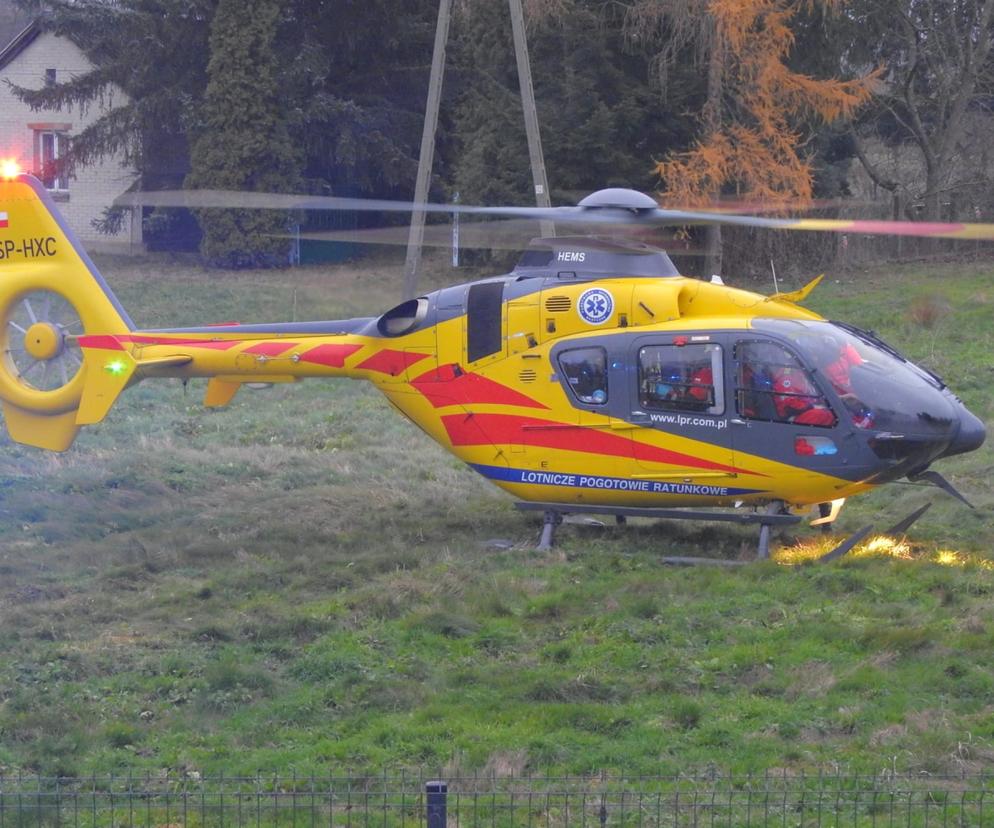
{"type": "Point", "coordinates": [242, 141]}
{"type": "Point", "coordinates": [155, 51]}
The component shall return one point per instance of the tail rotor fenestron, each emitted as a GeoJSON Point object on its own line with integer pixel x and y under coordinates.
{"type": "Point", "coordinates": [38, 341]}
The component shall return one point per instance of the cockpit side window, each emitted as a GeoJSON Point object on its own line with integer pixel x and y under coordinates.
{"type": "Point", "coordinates": [681, 378]}
{"type": "Point", "coordinates": [585, 370]}
{"type": "Point", "coordinates": [771, 384]}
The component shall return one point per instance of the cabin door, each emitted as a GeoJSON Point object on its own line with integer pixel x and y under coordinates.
{"type": "Point", "coordinates": [680, 407]}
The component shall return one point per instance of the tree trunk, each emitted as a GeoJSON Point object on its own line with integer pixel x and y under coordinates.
{"type": "Point", "coordinates": [898, 215]}
{"type": "Point", "coordinates": [933, 209]}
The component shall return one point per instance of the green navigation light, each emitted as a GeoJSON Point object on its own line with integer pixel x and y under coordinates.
{"type": "Point", "coordinates": [116, 367]}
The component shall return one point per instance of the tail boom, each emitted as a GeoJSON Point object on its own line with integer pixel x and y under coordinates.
{"type": "Point", "coordinates": [233, 357]}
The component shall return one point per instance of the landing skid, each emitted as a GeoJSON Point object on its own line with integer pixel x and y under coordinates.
{"type": "Point", "coordinates": [774, 515]}
{"type": "Point", "coordinates": [554, 513]}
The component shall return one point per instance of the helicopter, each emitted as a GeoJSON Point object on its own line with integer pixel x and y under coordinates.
{"type": "Point", "coordinates": [592, 378]}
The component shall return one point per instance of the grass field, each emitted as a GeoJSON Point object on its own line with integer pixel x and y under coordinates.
{"type": "Point", "coordinates": [303, 581]}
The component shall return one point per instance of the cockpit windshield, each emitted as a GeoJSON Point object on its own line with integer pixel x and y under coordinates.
{"type": "Point", "coordinates": [877, 387]}
{"type": "Point", "coordinates": [870, 338]}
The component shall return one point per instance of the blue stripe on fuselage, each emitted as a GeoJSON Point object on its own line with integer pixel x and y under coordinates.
{"type": "Point", "coordinates": [601, 483]}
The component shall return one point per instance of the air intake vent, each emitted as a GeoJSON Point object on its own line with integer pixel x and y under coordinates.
{"type": "Point", "coordinates": [527, 375]}
{"type": "Point", "coordinates": [557, 304]}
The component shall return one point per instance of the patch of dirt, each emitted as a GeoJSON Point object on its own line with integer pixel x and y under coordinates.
{"type": "Point", "coordinates": [32, 594]}
{"type": "Point", "coordinates": [506, 763]}
{"type": "Point", "coordinates": [883, 659]}
{"type": "Point", "coordinates": [812, 679]}
{"type": "Point", "coordinates": [888, 735]}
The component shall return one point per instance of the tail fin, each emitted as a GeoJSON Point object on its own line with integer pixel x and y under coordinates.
{"type": "Point", "coordinates": [50, 294]}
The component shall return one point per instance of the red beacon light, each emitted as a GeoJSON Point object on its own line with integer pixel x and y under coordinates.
{"type": "Point", "coordinates": [9, 169]}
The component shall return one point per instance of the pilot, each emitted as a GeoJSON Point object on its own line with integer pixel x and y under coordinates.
{"type": "Point", "coordinates": [797, 400]}
{"type": "Point", "coordinates": [839, 359]}
{"type": "Point", "coordinates": [837, 370]}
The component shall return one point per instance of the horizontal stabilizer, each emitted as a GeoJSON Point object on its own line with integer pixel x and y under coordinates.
{"type": "Point", "coordinates": [108, 373]}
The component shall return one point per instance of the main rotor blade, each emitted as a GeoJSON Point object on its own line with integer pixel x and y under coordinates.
{"type": "Point", "coordinates": [205, 199]}
{"type": "Point", "coordinates": [510, 234]}
{"type": "Point", "coordinates": [597, 215]}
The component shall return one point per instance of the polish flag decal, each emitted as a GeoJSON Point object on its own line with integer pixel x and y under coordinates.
{"type": "Point", "coordinates": [3, 220]}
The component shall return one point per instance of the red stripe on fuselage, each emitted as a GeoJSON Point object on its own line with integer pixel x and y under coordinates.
{"type": "Point", "coordinates": [116, 343]}
{"type": "Point", "coordinates": [442, 387]}
{"type": "Point", "coordinates": [464, 430]}
{"type": "Point", "coordinates": [389, 361]}
{"type": "Point", "coordinates": [270, 348]}
{"type": "Point", "coordinates": [105, 343]}
{"type": "Point", "coordinates": [333, 356]}
{"type": "Point", "coordinates": [215, 344]}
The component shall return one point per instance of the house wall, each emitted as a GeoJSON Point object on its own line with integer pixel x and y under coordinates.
{"type": "Point", "coordinates": [94, 187]}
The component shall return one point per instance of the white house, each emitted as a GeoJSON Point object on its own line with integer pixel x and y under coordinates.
{"type": "Point", "coordinates": [33, 138]}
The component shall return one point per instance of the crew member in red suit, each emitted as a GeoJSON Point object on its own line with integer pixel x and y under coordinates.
{"type": "Point", "coordinates": [837, 371]}
{"type": "Point", "coordinates": [797, 400]}
{"type": "Point", "coordinates": [701, 385]}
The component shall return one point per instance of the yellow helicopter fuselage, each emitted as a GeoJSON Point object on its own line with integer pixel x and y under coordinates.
{"type": "Point", "coordinates": [591, 374]}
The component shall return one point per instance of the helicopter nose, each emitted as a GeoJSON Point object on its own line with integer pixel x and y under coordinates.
{"type": "Point", "coordinates": [970, 436]}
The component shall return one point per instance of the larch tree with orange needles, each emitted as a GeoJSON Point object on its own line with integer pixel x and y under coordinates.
{"type": "Point", "coordinates": [756, 109]}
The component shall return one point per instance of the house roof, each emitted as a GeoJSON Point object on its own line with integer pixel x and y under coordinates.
{"type": "Point", "coordinates": [20, 42]}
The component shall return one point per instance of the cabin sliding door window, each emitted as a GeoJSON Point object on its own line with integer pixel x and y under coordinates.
{"type": "Point", "coordinates": [681, 378]}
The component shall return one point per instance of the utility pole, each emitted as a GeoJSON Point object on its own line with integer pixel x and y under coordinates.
{"type": "Point", "coordinates": [535, 154]}
{"type": "Point", "coordinates": [415, 238]}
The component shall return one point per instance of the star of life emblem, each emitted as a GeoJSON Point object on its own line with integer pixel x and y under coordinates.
{"type": "Point", "coordinates": [595, 306]}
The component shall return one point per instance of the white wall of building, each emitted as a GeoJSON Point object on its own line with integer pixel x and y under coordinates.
{"type": "Point", "coordinates": [94, 187]}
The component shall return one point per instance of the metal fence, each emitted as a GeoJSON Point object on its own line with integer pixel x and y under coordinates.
{"type": "Point", "coordinates": [709, 801]}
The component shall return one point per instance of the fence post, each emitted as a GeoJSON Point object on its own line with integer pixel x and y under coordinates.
{"type": "Point", "coordinates": [435, 803]}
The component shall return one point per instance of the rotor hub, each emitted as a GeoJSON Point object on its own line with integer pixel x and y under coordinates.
{"type": "Point", "coordinates": [43, 340]}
